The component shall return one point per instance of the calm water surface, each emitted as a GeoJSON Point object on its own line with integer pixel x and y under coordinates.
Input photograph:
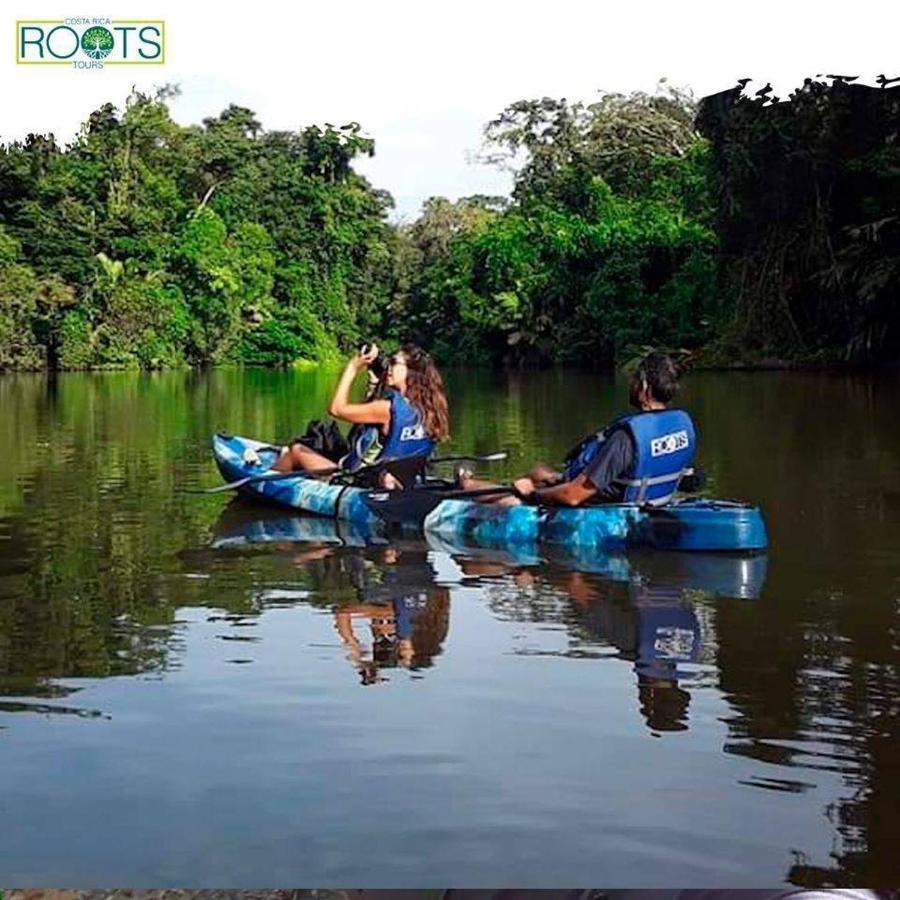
{"type": "Point", "coordinates": [201, 693]}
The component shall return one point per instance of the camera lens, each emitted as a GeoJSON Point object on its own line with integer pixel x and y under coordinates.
{"type": "Point", "coordinates": [377, 367]}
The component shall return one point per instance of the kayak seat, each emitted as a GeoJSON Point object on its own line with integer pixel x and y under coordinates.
{"type": "Point", "coordinates": [408, 470]}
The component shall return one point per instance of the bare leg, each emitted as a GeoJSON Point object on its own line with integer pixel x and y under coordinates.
{"type": "Point", "coordinates": [543, 475]}
{"type": "Point", "coordinates": [468, 483]}
{"type": "Point", "coordinates": [299, 458]}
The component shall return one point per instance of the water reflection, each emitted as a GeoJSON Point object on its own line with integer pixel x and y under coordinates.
{"type": "Point", "coordinates": [397, 616]}
{"type": "Point", "coordinates": [111, 589]}
{"type": "Point", "coordinates": [659, 629]}
{"type": "Point", "coordinates": [407, 632]}
{"type": "Point", "coordinates": [679, 620]}
{"type": "Point", "coordinates": [645, 606]}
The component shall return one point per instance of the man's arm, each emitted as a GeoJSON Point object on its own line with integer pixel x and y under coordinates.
{"type": "Point", "coordinates": [569, 493]}
{"type": "Point", "coordinates": [613, 460]}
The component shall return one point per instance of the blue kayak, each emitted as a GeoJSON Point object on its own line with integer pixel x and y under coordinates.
{"type": "Point", "coordinates": [690, 524]}
{"type": "Point", "coordinates": [300, 492]}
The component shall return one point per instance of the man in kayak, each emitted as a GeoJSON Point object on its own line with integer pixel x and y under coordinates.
{"type": "Point", "coordinates": [409, 420]}
{"type": "Point", "coordinates": [637, 458]}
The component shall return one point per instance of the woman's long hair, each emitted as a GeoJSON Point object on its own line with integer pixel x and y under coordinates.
{"type": "Point", "coordinates": [425, 390]}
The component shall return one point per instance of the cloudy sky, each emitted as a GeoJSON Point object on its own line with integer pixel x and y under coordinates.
{"type": "Point", "coordinates": [423, 77]}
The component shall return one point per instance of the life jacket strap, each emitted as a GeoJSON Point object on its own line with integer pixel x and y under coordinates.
{"type": "Point", "coordinates": [643, 483]}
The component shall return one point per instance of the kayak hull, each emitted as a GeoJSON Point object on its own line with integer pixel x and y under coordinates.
{"type": "Point", "coordinates": [702, 525]}
{"type": "Point", "coordinates": [691, 525]}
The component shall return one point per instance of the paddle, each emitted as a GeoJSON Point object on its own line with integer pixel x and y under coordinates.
{"type": "Point", "coordinates": [278, 476]}
{"type": "Point", "coordinates": [253, 479]}
{"type": "Point", "coordinates": [482, 492]}
{"type": "Point", "coordinates": [404, 507]}
{"type": "Point", "coordinates": [487, 457]}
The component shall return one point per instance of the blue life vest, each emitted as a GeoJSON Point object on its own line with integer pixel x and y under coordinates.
{"type": "Point", "coordinates": [406, 437]}
{"type": "Point", "coordinates": [586, 452]}
{"type": "Point", "coordinates": [665, 442]}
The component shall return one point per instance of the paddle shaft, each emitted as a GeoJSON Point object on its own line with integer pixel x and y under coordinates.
{"type": "Point", "coordinates": [278, 476]}
{"type": "Point", "coordinates": [487, 457]}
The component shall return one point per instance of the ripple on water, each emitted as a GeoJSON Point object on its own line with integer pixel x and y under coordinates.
{"type": "Point", "coordinates": [783, 785]}
{"type": "Point", "coordinates": [47, 709]}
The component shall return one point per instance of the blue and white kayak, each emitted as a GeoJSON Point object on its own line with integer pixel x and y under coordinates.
{"type": "Point", "coordinates": [301, 493]}
{"type": "Point", "coordinates": [691, 524]}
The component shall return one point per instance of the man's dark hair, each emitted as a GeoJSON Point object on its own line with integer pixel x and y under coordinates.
{"type": "Point", "coordinates": [658, 372]}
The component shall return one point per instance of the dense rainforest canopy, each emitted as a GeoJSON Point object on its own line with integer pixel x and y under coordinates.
{"type": "Point", "coordinates": [737, 228]}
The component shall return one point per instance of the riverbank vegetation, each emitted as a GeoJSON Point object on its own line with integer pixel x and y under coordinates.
{"type": "Point", "coordinates": [737, 228]}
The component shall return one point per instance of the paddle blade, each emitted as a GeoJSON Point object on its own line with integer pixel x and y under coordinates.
{"type": "Point", "coordinates": [250, 479]}
{"type": "Point", "coordinates": [218, 489]}
{"type": "Point", "coordinates": [487, 457]}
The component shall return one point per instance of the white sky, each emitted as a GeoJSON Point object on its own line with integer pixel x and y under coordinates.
{"type": "Point", "coordinates": [423, 78]}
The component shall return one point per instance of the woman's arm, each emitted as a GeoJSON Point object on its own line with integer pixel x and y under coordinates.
{"type": "Point", "coordinates": [375, 412]}
{"type": "Point", "coordinates": [344, 626]}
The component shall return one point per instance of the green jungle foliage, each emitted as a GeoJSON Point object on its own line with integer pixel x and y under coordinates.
{"type": "Point", "coordinates": [148, 244]}
{"type": "Point", "coordinates": [734, 228]}
{"type": "Point", "coordinates": [808, 216]}
{"type": "Point", "coordinates": [606, 246]}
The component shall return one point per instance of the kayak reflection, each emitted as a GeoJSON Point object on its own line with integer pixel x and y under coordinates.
{"type": "Point", "coordinates": [648, 606]}
{"type": "Point", "coordinates": [651, 607]}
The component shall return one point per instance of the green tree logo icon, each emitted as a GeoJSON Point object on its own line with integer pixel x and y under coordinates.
{"type": "Point", "coordinates": [97, 42]}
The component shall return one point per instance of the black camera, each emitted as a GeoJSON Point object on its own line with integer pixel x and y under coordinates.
{"type": "Point", "coordinates": [378, 366]}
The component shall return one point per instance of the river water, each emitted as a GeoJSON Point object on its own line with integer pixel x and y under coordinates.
{"type": "Point", "coordinates": [201, 693]}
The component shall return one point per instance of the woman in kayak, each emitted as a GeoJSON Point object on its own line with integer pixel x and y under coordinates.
{"type": "Point", "coordinates": [409, 420]}
{"type": "Point", "coordinates": [637, 458]}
